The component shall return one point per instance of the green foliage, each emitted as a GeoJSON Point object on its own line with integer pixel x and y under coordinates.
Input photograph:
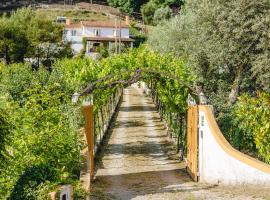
{"type": "Point", "coordinates": [162, 14]}
{"type": "Point", "coordinates": [32, 177]}
{"type": "Point", "coordinates": [128, 6]}
{"type": "Point", "coordinates": [41, 128]}
{"type": "Point", "coordinates": [5, 128]}
{"type": "Point", "coordinates": [28, 34]}
{"type": "Point", "coordinates": [137, 35]}
{"type": "Point", "coordinates": [40, 144]}
{"type": "Point", "coordinates": [79, 192]}
{"type": "Point", "coordinates": [225, 42]}
{"type": "Point", "coordinates": [114, 49]}
{"type": "Point", "coordinates": [148, 12]}
{"type": "Point", "coordinates": [123, 5]}
{"type": "Point", "coordinates": [155, 10]}
{"type": "Point", "coordinates": [15, 80]}
{"type": "Point", "coordinates": [103, 51]}
{"type": "Point", "coordinates": [226, 45]}
{"type": "Point", "coordinates": [253, 115]}
{"type": "Point", "coordinates": [172, 93]}
{"type": "Point", "coordinates": [79, 72]}
{"type": "Point", "coordinates": [247, 125]}
{"type": "Point", "coordinates": [148, 8]}
{"type": "Point", "coordinates": [13, 43]}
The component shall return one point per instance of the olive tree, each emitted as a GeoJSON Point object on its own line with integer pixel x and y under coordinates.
{"type": "Point", "coordinates": [162, 14]}
{"type": "Point", "coordinates": [155, 10]}
{"type": "Point", "coordinates": [226, 43]}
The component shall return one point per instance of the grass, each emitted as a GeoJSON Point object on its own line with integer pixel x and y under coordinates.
{"type": "Point", "coordinates": [74, 14]}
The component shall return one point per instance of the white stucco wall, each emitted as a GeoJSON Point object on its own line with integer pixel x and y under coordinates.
{"type": "Point", "coordinates": [218, 166]}
{"type": "Point", "coordinates": [77, 46]}
{"type": "Point", "coordinates": [76, 41]}
{"type": "Point", "coordinates": [78, 36]}
{"type": "Point", "coordinates": [105, 32]}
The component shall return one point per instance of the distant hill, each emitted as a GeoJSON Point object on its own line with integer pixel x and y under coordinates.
{"type": "Point", "coordinates": [151, 12]}
{"type": "Point", "coordinates": [5, 4]}
{"type": "Point", "coordinates": [10, 5]}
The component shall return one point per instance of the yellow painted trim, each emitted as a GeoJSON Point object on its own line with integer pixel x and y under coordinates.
{"type": "Point", "coordinates": [224, 144]}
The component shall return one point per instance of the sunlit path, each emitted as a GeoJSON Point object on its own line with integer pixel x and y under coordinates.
{"type": "Point", "coordinates": [140, 162]}
{"type": "Point", "coordinates": [139, 159]}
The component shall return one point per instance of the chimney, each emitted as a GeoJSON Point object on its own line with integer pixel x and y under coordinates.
{"type": "Point", "coordinates": [68, 21]}
{"type": "Point", "coordinates": [127, 20]}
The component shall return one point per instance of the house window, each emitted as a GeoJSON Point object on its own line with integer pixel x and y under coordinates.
{"type": "Point", "coordinates": [73, 33]}
{"type": "Point", "coordinates": [97, 32]}
{"type": "Point", "coordinates": [116, 33]}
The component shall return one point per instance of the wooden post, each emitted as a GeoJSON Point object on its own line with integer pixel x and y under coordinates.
{"type": "Point", "coordinates": [192, 142]}
{"type": "Point", "coordinates": [89, 132]}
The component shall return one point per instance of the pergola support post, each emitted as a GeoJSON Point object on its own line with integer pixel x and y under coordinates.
{"type": "Point", "coordinates": [89, 132]}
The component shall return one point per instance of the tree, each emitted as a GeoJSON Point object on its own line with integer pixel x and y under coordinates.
{"type": "Point", "coordinates": [148, 11]}
{"type": "Point", "coordinates": [13, 42]}
{"type": "Point", "coordinates": [123, 5]}
{"type": "Point", "coordinates": [226, 43]}
{"type": "Point", "coordinates": [30, 34]}
{"type": "Point", "coordinates": [128, 6]}
{"type": "Point", "coordinates": [159, 9]}
{"type": "Point", "coordinates": [5, 127]}
{"type": "Point", "coordinates": [161, 14]}
{"type": "Point", "coordinates": [35, 111]}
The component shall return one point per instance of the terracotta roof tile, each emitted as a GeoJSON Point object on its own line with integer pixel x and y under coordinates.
{"type": "Point", "coordinates": [108, 24]}
{"type": "Point", "coordinates": [75, 25]}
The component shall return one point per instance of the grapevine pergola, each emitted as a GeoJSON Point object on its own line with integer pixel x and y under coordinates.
{"type": "Point", "coordinates": [135, 77]}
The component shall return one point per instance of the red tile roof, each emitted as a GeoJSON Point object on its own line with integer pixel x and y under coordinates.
{"type": "Point", "coordinates": [106, 24]}
{"type": "Point", "coordinates": [77, 25]}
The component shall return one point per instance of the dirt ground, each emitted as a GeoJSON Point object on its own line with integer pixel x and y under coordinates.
{"type": "Point", "coordinates": [139, 162]}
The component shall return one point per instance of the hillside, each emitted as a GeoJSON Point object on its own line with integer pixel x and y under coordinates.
{"type": "Point", "coordinates": [151, 11]}
{"type": "Point", "coordinates": [80, 11]}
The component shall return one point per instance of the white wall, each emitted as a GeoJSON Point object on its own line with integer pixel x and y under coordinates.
{"type": "Point", "coordinates": [70, 38]}
{"type": "Point", "coordinates": [76, 41]}
{"type": "Point", "coordinates": [105, 32]}
{"type": "Point", "coordinates": [77, 47]}
{"type": "Point", "coordinates": [218, 165]}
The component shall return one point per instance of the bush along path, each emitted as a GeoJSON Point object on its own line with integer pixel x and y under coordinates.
{"type": "Point", "coordinates": [139, 161]}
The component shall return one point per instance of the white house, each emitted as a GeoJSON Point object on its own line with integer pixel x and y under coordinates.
{"type": "Point", "coordinates": [96, 33]}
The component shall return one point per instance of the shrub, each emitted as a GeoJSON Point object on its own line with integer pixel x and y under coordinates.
{"type": "Point", "coordinates": [226, 43]}
{"type": "Point", "coordinates": [148, 11]}
{"type": "Point", "coordinates": [39, 122]}
{"type": "Point", "coordinates": [161, 14]}
{"type": "Point", "coordinates": [247, 125]}
{"type": "Point", "coordinates": [44, 145]}
{"type": "Point", "coordinates": [252, 115]}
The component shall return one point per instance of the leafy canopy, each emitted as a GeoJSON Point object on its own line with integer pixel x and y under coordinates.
{"type": "Point", "coordinates": [226, 43]}
{"type": "Point", "coordinates": [30, 34]}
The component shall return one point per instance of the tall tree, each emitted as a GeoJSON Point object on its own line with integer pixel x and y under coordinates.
{"type": "Point", "coordinates": [30, 34]}
{"type": "Point", "coordinates": [128, 6]}
{"type": "Point", "coordinates": [13, 42]}
{"type": "Point", "coordinates": [226, 42]}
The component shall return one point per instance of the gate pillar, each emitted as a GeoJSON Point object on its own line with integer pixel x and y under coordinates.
{"type": "Point", "coordinates": [192, 142]}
